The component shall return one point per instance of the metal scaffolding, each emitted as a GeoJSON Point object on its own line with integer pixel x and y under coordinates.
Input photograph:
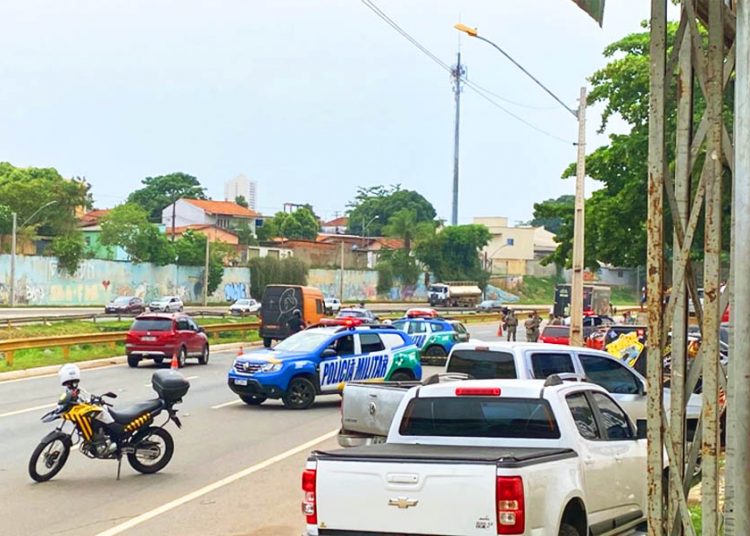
{"type": "Point", "coordinates": [710, 39]}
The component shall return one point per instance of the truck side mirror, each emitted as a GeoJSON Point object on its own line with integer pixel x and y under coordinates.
{"type": "Point", "coordinates": [641, 429]}
{"type": "Point", "coordinates": [328, 353]}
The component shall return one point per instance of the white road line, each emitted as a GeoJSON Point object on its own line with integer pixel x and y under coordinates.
{"type": "Point", "coordinates": [163, 509]}
{"type": "Point", "coordinates": [20, 411]}
{"type": "Point", "coordinates": [225, 404]}
{"type": "Point", "coordinates": [51, 374]}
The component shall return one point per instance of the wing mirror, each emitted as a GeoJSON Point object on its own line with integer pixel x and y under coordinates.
{"type": "Point", "coordinates": [110, 394]}
{"type": "Point", "coordinates": [328, 353]}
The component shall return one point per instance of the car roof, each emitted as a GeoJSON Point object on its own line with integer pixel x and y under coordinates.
{"type": "Point", "coordinates": [168, 316]}
{"type": "Point", "coordinates": [508, 388]}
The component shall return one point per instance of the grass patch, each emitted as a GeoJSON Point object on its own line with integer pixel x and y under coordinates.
{"type": "Point", "coordinates": [696, 516]}
{"type": "Point", "coordinates": [541, 291]}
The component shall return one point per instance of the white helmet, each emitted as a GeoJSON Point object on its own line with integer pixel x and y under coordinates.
{"type": "Point", "coordinates": [69, 373]}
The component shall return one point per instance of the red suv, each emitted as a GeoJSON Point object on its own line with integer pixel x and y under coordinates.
{"type": "Point", "coordinates": [160, 336]}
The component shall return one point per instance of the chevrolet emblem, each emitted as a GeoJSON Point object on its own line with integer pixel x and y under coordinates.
{"type": "Point", "coordinates": [402, 503]}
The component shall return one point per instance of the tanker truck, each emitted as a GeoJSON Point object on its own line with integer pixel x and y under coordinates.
{"type": "Point", "coordinates": [454, 294]}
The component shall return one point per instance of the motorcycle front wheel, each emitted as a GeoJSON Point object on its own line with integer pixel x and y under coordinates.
{"type": "Point", "coordinates": [48, 458]}
{"type": "Point", "coordinates": [153, 452]}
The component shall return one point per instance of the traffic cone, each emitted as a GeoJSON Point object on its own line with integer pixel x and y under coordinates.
{"type": "Point", "coordinates": [500, 330]}
{"type": "Point", "coordinates": [174, 364]}
{"type": "Point", "coordinates": [240, 351]}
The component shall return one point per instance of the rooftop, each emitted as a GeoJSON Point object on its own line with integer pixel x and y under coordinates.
{"type": "Point", "coordinates": [224, 208]}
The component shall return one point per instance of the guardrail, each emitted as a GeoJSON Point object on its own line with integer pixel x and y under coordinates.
{"type": "Point", "coordinates": [93, 317]}
{"type": "Point", "coordinates": [10, 346]}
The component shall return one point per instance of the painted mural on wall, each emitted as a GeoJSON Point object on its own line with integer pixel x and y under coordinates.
{"type": "Point", "coordinates": [361, 285]}
{"type": "Point", "coordinates": [38, 282]}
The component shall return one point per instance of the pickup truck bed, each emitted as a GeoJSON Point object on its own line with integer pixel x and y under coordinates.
{"type": "Point", "coordinates": [501, 457]}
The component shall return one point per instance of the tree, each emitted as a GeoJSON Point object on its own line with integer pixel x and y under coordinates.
{"type": "Point", "coordinates": [551, 213]}
{"type": "Point", "coordinates": [191, 251]}
{"type": "Point", "coordinates": [6, 220]}
{"type": "Point", "coordinates": [25, 190]}
{"type": "Point", "coordinates": [384, 202]}
{"type": "Point", "coordinates": [453, 254]}
{"type": "Point", "coordinates": [69, 249]}
{"type": "Point", "coordinates": [160, 192]}
{"type": "Point", "coordinates": [127, 226]}
{"type": "Point", "coordinates": [269, 270]}
{"type": "Point", "coordinates": [404, 224]}
{"type": "Point", "coordinates": [300, 225]}
{"type": "Point", "coordinates": [241, 201]}
{"type": "Point", "coordinates": [245, 234]}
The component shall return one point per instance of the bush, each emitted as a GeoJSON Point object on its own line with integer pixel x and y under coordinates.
{"type": "Point", "coordinates": [266, 271]}
{"type": "Point", "coordinates": [68, 249]}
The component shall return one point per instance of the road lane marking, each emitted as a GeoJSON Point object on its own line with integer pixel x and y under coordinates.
{"type": "Point", "coordinates": [163, 509]}
{"type": "Point", "coordinates": [20, 411]}
{"type": "Point", "coordinates": [225, 404]}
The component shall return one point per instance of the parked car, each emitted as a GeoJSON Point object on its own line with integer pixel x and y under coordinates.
{"type": "Point", "coordinates": [524, 456]}
{"type": "Point", "coordinates": [333, 305]}
{"type": "Point", "coordinates": [491, 305]}
{"type": "Point", "coordinates": [245, 306]}
{"type": "Point", "coordinates": [365, 315]}
{"type": "Point", "coordinates": [125, 305]}
{"type": "Point", "coordinates": [167, 304]}
{"type": "Point", "coordinates": [160, 336]}
{"type": "Point", "coordinates": [320, 360]}
{"type": "Point", "coordinates": [433, 336]}
{"type": "Point", "coordinates": [279, 304]}
{"type": "Point", "coordinates": [555, 334]}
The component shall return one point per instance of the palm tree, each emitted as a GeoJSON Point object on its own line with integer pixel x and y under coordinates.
{"type": "Point", "coordinates": [403, 224]}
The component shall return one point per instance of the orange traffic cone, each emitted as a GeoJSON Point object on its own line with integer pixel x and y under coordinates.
{"type": "Point", "coordinates": [240, 351]}
{"type": "Point", "coordinates": [500, 330]}
{"type": "Point", "coordinates": [174, 364]}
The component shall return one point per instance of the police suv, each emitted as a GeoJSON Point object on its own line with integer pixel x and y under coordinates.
{"type": "Point", "coordinates": [434, 336]}
{"type": "Point", "coordinates": [321, 359]}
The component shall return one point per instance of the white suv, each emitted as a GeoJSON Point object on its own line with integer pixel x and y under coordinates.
{"type": "Point", "coordinates": [167, 304]}
{"type": "Point", "coordinates": [333, 305]}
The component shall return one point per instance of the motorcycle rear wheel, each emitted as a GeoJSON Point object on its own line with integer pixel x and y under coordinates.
{"type": "Point", "coordinates": [153, 452]}
{"type": "Point", "coordinates": [55, 452]}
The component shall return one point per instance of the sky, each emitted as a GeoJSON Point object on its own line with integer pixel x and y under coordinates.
{"type": "Point", "coordinates": [312, 99]}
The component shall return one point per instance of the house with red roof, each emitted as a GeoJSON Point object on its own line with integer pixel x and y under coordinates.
{"type": "Point", "coordinates": [221, 214]}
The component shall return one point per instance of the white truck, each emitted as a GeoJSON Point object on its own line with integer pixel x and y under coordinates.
{"type": "Point", "coordinates": [454, 294]}
{"type": "Point", "coordinates": [367, 409]}
{"type": "Point", "coordinates": [487, 457]}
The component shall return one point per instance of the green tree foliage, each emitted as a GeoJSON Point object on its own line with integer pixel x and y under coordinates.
{"type": "Point", "coordinates": [453, 254]}
{"type": "Point", "coordinates": [241, 201]}
{"type": "Point", "coordinates": [384, 203]}
{"type": "Point", "coordinates": [300, 224]}
{"type": "Point", "coordinates": [245, 234]}
{"type": "Point", "coordinates": [401, 264]}
{"type": "Point", "coordinates": [6, 220]}
{"type": "Point", "coordinates": [404, 224]}
{"type": "Point", "coordinates": [160, 192]}
{"type": "Point", "coordinates": [191, 251]}
{"type": "Point", "coordinates": [127, 226]}
{"type": "Point", "coordinates": [269, 270]}
{"type": "Point", "coordinates": [25, 190]}
{"type": "Point", "coordinates": [552, 213]}
{"type": "Point", "coordinates": [69, 250]}
{"type": "Point", "coordinates": [385, 277]}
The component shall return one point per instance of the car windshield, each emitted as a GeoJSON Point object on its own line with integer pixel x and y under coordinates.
{"type": "Point", "coordinates": [348, 313]}
{"type": "Point", "coordinates": [242, 302]}
{"type": "Point", "coordinates": [122, 300]}
{"type": "Point", "coordinates": [152, 324]}
{"type": "Point", "coordinates": [304, 341]}
{"type": "Point", "coordinates": [163, 300]}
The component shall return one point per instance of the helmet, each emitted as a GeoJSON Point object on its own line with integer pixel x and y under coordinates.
{"type": "Point", "coordinates": [69, 373]}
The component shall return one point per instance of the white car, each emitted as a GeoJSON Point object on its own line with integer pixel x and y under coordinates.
{"type": "Point", "coordinates": [333, 305]}
{"type": "Point", "coordinates": [245, 306]}
{"type": "Point", "coordinates": [167, 304]}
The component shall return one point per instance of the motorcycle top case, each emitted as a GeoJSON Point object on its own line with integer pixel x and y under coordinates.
{"type": "Point", "coordinates": [170, 385]}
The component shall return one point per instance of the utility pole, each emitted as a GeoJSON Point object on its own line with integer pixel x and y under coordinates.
{"type": "Point", "coordinates": [205, 273]}
{"type": "Point", "coordinates": [174, 210]}
{"type": "Point", "coordinates": [341, 274]}
{"type": "Point", "coordinates": [457, 75]}
{"type": "Point", "coordinates": [576, 301]}
{"type": "Point", "coordinates": [12, 301]}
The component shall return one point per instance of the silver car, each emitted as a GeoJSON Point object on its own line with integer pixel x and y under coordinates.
{"type": "Point", "coordinates": [167, 304]}
{"type": "Point", "coordinates": [245, 306]}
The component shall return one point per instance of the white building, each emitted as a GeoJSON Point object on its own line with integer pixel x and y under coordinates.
{"type": "Point", "coordinates": [222, 214]}
{"type": "Point", "coordinates": [242, 186]}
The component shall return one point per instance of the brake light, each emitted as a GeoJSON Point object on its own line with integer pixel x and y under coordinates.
{"type": "Point", "coordinates": [308, 503]}
{"type": "Point", "coordinates": [477, 391]}
{"type": "Point", "coordinates": [511, 516]}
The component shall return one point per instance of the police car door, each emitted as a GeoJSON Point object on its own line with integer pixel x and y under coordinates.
{"type": "Point", "coordinates": [338, 369]}
{"type": "Point", "coordinates": [374, 359]}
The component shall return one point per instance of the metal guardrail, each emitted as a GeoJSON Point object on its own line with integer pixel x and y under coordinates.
{"type": "Point", "coordinates": [10, 346]}
{"type": "Point", "coordinates": [93, 317]}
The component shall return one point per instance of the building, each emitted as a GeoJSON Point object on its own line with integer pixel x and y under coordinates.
{"type": "Point", "coordinates": [223, 214]}
{"type": "Point", "coordinates": [242, 186]}
{"type": "Point", "coordinates": [89, 223]}
{"type": "Point", "coordinates": [335, 226]}
{"type": "Point", "coordinates": [214, 233]}
{"type": "Point", "coordinates": [515, 250]}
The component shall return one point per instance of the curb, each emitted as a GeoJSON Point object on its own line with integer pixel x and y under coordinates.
{"type": "Point", "coordinates": [103, 362]}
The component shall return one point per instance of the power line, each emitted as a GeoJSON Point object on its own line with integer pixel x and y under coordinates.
{"type": "Point", "coordinates": [485, 94]}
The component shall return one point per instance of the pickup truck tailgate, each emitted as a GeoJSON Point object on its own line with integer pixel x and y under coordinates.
{"type": "Point", "coordinates": [412, 489]}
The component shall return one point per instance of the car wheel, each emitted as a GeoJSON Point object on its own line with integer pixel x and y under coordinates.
{"type": "Point", "coordinates": [253, 400]}
{"type": "Point", "coordinates": [133, 361]}
{"type": "Point", "coordinates": [300, 394]}
{"type": "Point", "coordinates": [267, 342]}
{"type": "Point", "coordinates": [181, 357]}
{"type": "Point", "coordinates": [400, 376]}
{"type": "Point", "coordinates": [568, 530]}
{"type": "Point", "coordinates": [203, 359]}
{"type": "Point", "coordinates": [434, 353]}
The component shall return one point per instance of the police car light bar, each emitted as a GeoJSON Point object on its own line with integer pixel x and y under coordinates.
{"type": "Point", "coordinates": [421, 313]}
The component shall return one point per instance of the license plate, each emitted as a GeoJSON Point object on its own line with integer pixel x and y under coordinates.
{"type": "Point", "coordinates": [148, 339]}
{"type": "Point", "coordinates": [240, 382]}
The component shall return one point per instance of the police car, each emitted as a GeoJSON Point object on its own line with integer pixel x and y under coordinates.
{"type": "Point", "coordinates": [320, 360]}
{"type": "Point", "coordinates": [434, 336]}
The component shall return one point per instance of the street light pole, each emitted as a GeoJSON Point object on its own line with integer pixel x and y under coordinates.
{"type": "Point", "coordinates": [365, 226]}
{"type": "Point", "coordinates": [12, 301]}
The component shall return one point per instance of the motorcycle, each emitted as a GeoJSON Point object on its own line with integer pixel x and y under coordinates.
{"type": "Point", "coordinates": [105, 433]}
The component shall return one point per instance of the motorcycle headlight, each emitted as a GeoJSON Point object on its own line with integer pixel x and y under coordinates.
{"type": "Point", "coordinates": [270, 367]}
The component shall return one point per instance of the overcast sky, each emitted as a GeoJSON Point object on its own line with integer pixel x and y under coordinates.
{"type": "Point", "coordinates": [311, 98]}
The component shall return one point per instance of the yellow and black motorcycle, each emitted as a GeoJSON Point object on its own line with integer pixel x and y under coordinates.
{"type": "Point", "coordinates": [106, 433]}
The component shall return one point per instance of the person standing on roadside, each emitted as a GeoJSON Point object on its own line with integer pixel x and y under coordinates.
{"type": "Point", "coordinates": [511, 324]}
{"type": "Point", "coordinates": [532, 327]}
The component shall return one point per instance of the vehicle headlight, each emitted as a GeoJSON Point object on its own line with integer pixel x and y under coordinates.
{"type": "Point", "coordinates": [270, 367]}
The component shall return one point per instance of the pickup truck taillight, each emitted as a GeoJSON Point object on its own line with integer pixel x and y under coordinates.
{"type": "Point", "coordinates": [308, 503]}
{"type": "Point", "coordinates": [511, 518]}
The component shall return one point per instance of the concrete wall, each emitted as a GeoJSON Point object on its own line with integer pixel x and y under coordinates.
{"type": "Point", "coordinates": [38, 282]}
{"type": "Point", "coordinates": [361, 285]}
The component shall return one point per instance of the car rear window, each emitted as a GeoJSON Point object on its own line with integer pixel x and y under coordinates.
{"type": "Point", "coordinates": [556, 331]}
{"type": "Point", "coordinates": [152, 324]}
{"type": "Point", "coordinates": [479, 417]}
{"type": "Point", "coordinates": [483, 364]}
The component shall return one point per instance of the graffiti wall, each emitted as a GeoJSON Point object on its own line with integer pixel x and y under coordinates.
{"type": "Point", "coordinates": [38, 282]}
{"type": "Point", "coordinates": [361, 285]}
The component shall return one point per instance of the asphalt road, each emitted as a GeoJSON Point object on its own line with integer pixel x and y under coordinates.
{"type": "Point", "coordinates": [236, 469]}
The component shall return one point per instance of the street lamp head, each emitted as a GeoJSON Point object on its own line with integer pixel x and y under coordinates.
{"type": "Point", "coordinates": [472, 32]}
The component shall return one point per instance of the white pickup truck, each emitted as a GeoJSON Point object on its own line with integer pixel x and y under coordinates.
{"type": "Point", "coordinates": [487, 457]}
{"type": "Point", "coordinates": [367, 409]}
